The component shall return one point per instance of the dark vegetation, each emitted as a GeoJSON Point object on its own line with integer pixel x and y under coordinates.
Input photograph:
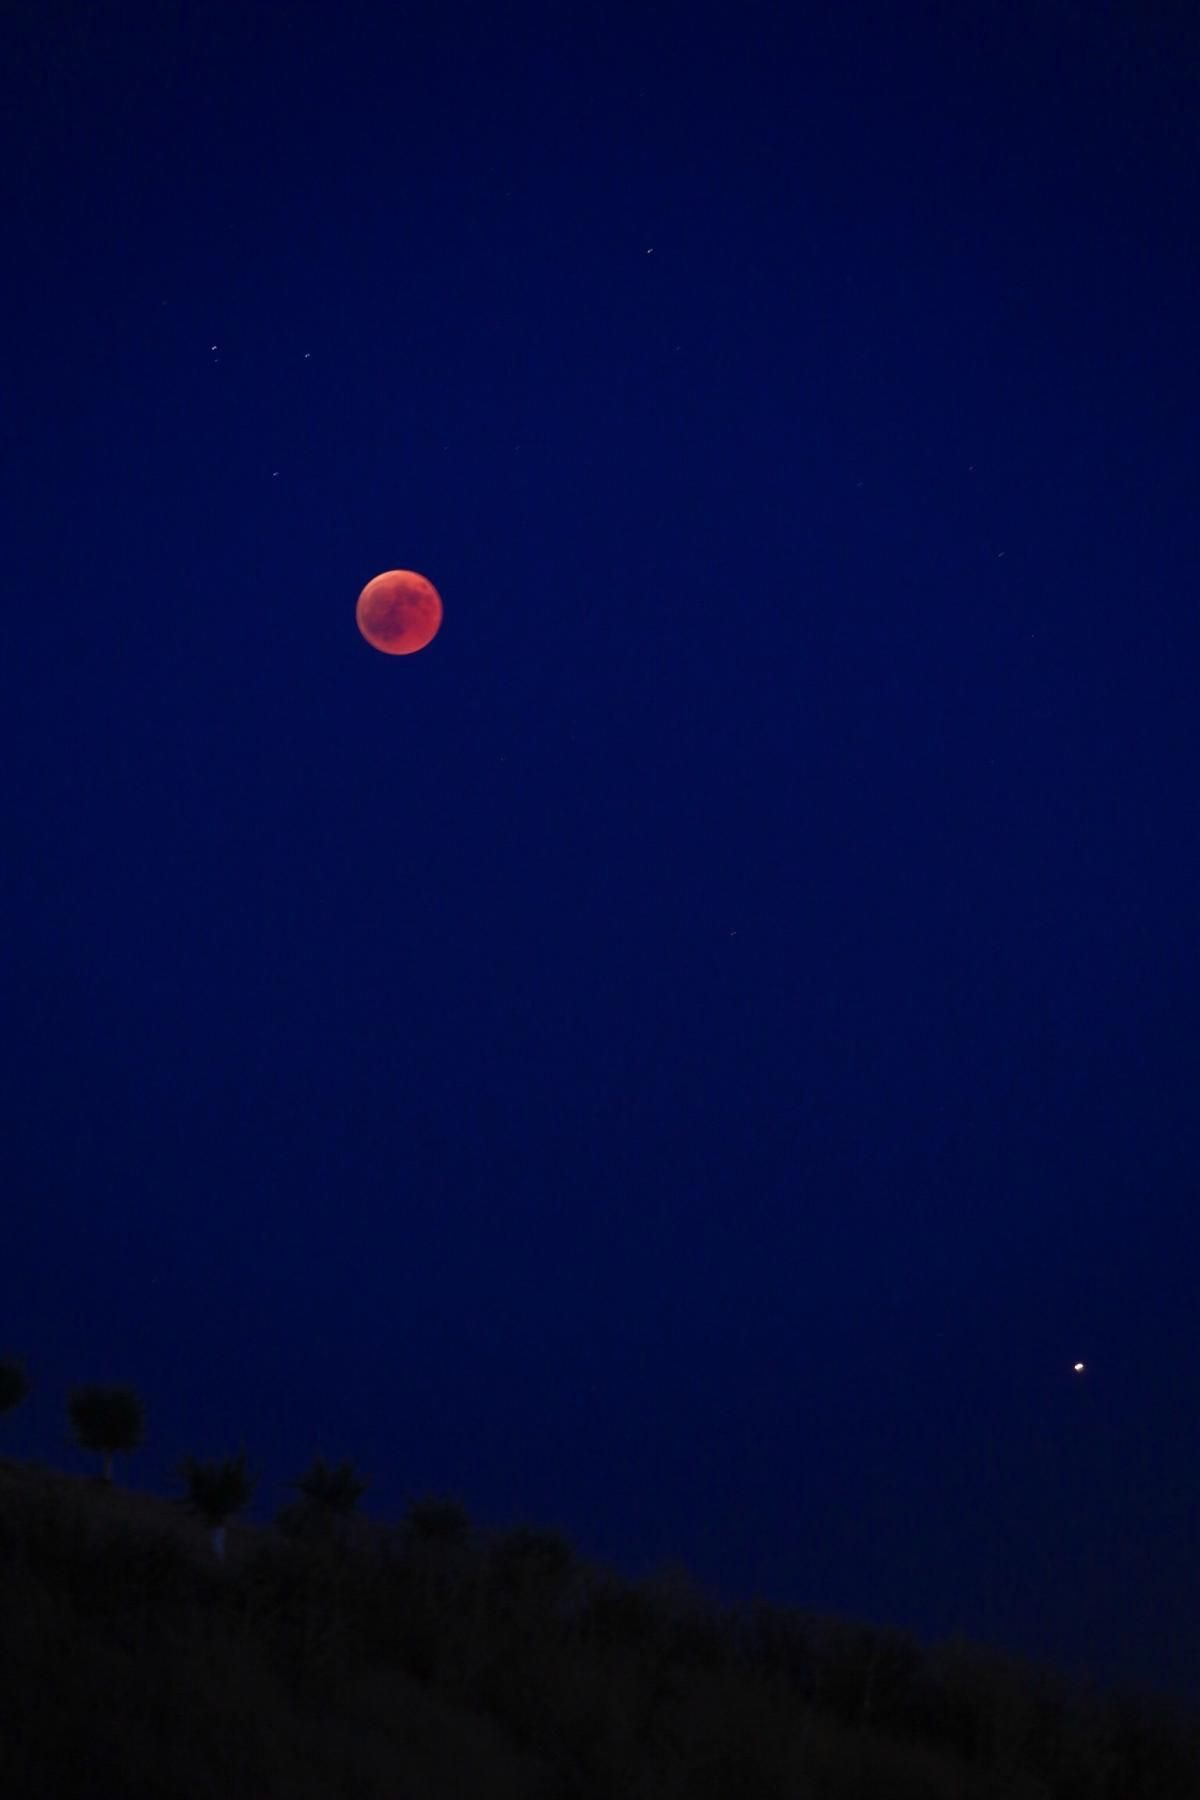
{"type": "Point", "coordinates": [109, 1420]}
{"type": "Point", "coordinates": [330, 1656]}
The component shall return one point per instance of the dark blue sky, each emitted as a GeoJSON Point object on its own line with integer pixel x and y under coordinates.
{"type": "Point", "coordinates": [694, 1056]}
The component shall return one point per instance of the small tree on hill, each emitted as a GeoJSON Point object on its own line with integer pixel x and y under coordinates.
{"type": "Point", "coordinates": [529, 1569]}
{"type": "Point", "coordinates": [434, 1520]}
{"type": "Point", "coordinates": [14, 1383]}
{"type": "Point", "coordinates": [109, 1420]}
{"type": "Point", "coordinates": [327, 1498]}
{"type": "Point", "coordinates": [217, 1490]}
{"type": "Point", "coordinates": [436, 1534]}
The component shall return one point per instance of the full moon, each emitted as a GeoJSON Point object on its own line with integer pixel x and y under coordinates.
{"type": "Point", "coordinates": [399, 612]}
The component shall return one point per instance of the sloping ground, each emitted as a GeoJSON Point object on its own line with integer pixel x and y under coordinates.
{"type": "Point", "coordinates": [138, 1687]}
{"type": "Point", "coordinates": [134, 1666]}
{"type": "Point", "coordinates": [103, 1507]}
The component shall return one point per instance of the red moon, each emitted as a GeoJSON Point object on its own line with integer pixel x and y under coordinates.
{"type": "Point", "coordinates": [399, 612]}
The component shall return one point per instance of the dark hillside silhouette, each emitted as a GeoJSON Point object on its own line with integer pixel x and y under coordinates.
{"type": "Point", "coordinates": [436, 1658]}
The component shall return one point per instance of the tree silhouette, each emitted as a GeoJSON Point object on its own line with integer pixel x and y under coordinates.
{"type": "Point", "coordinates": [109, 1420]}
{"type": "Point", "coordinates": [14, 1383]}
{"type": "Point", "coordinates": [327, 1498]}
{"type": "Point", "coordinates": [436, 1532]}
{"type": "Point", "coordinates": [435, 1520]}
{"type": "Point", "coordinates": [528, 1571]}
{"type": "Point", "coordinates": [339, 1490]}
{"type": "Point", "coordinates": [217, 1490]}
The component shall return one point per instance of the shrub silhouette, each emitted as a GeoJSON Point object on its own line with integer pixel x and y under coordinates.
{"type": "Point", "coordinates": [14, 1383]}
{"type": "Point", "coordinates": [338, 1490]}
{"type": "Point", "coordinates": [434, 1520]}
{"type": "Point", "coordinates": [108, 1420]}
{"type": "Point", "coordinates": [328, 1496]}
{"type": "Point", "coordinates": [217, 1490]}
{"type": "Point", "coordinates": [528, 1570]}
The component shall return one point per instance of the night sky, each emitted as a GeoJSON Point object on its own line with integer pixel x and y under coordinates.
{"type": "Point", "coordinates": [696, 1054]}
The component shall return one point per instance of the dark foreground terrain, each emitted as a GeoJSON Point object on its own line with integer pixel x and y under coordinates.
{"type": "Point", "coordinates": [433, 1662]}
